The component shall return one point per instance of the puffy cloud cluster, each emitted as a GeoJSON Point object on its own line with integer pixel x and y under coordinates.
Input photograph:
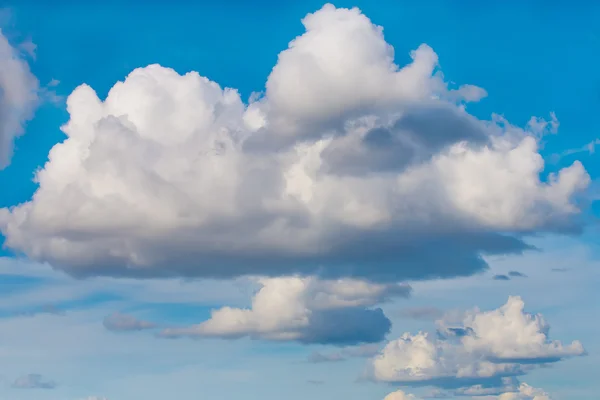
{"type": "Point", "coordinates": [347, 160]}
{"type": "Point", "coordinates": [307, 310]}
{"type": "Point", "coordinates": [18, 97]}
{"type": "Point", "coordinates": [510, 334]}
{"type": "Point", "coordinates": [483, 347]}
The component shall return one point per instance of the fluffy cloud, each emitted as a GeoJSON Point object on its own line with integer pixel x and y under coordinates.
{"type": "Point", "coordinates": [347, 160]}
{"type": "Point", "coordinates": [18, 97]}
{"type": "Point", "coordinates": [121, 322]}
{"type": "Point", "coordinates": [307, 310]}
{"type": "Point", "coordinates": [33, 381]}
{"type": "Point", "coordinates": [480, 346]}
{"type": "Point", "coordinates": [511, 334]}
{"type": "Point", "coordinates": [399, 395]}
{"type": "Point", "coordinates": [525, 392]}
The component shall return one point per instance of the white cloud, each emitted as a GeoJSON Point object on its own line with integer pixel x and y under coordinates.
{"type": "Point", "coordinates": [504, 385]}
{"type": "Point", "coordinates": [400, 395]}
{"type": "Point", "coordinates": [419, 358]}
{"type": "Point", "coordinates": [525, 392]}
{"type": "Point", "coordinates": [509, 389]}
{"type": "Point", "coordinates": [348, 160]}
{"type": "Point", "coordinates": [306, 310]}
{"type": "Point", "coordinates": [18, 96]}
{"type": "Point", "coordinates": [509, 333]}
{"type": "Point", "coordinates": [479, 346]}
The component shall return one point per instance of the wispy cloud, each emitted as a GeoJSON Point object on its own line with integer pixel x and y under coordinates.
{"type": "Point", "coordinates": [33, 381]}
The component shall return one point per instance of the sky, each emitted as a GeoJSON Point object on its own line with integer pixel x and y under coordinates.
{"type": "Point", "coordinates": [387, 200]}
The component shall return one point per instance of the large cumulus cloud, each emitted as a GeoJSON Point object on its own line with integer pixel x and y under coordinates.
{"type": "Point", "coordinates": [18, 97]}
{"type": "Point", "coordinates": [346, 161]}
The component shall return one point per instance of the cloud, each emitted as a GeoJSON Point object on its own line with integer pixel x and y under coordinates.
{"type": "Point", "coordinates": [45, 309]}
{"type": "Point", "coordinates": [525, 392]}
{"type": "Point", "coordinates": [589, 148]}
{"type": "Point", "coordinates": [29, 48]}
{"type": "Point", "coordinates": [511, 334]}
{"type": "Point", "coordinates": [33, 381]}
{"type": "Point", "coordinates": [18, 95]}
{"type": "Point", "coordinates": [517, 274]}
{"type": "Point", "coordinates": [510, 389]}
{"type": "Point", "coordinates": [347, 161]}
{"type": "Point", "coordinates": [501, 278]}
{"type": "Point", "coordinates": [420, 313]}
{"type": "Point", "coordinates": [495, 388]}
{"type": "Point", "coordinates": [121, 323]}
{"type": "Point", "coordinates": [307, 310]}
{"type": "Point", "coordinates": [518, 392]}
{"type": "Point", "coordinates": [474, 348]}
{"type": "Point", "coordinates": [367, 350]}
{"type": "Point", "coordinates": [317, 357]}
{"type": "Point", "coordinates": [400, 395]}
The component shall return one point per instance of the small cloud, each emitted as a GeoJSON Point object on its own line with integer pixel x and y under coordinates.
{"type": "Point", "coordinates": [95, 398]}
{"type": "Point", "coordinates": [540, 127]}
{"type": "Point", "coordinates": [364, 351]}
{"type": "Point", "coordinates": [48, 95]}
{"type": "Point", "coordinates": [46, 309]}
{"type": "Point", "coordinates": [400, 395]}
{"type": "Point", "coordinates": [589, 148]}
{"type": "Point", "coordinates": [420, 313]}
{"type": "Point", "coordinates": [51, 309]}
{"type": "Point", "coordinates": [33, 381]}
{"type": "Point", "coordinates": [517, 274]}
{"type": "Point", "coordinates": [501, 278]}
{"type": "Point", "coordinates": [318, 358]}
{"type": "Point", "coordinates": [560, 269]}
{"type": "Point", "coordinates": [315, 382]}
{"type": "Point", "coordinates": [28, 48]}
{"type": "Point", "coordinates": [118, 322]}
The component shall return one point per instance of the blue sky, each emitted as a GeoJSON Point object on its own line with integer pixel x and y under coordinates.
{"type": "Point", "coordinates": [185, 240]}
